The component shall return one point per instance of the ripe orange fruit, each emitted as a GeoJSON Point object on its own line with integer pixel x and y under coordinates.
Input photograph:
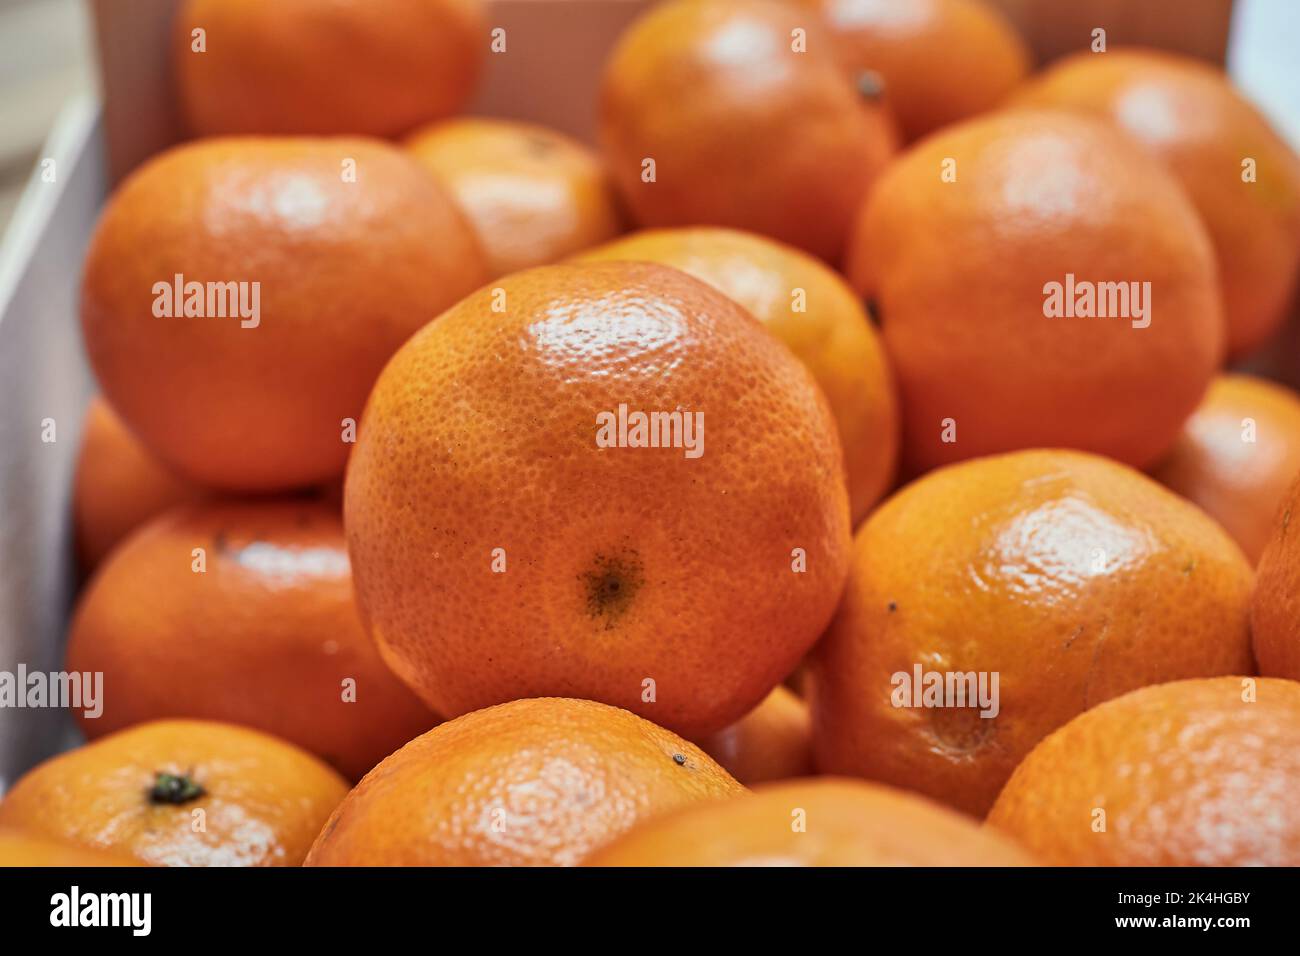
{"type": "Point", "coordinates": [347, 66]}
{"type": "Point", "coordinates": [180, 793]}
{"type": "Point", "coordinates": [818, 822]}
{"type": "Point", "coordinates": [1275, 617]}
{"type": "Point", "coordinates": [1190, 116]}
{"type": "Point", "coordinates": [1237, 455]}
{"type": "Point", "coordinates": [532, 782]}
{"type": "Point", "coordinates": [118, 485]}
{"type": "Point", "coordinates": [939, 61]}
{"type": "Point", "coordinates": [267, 635]}
{"type": "Point", "coordinates": [335, 275]}
{"type": "Point", "coordinates": [22, 849]}
{"type": "Point", "coordinates": [1070, 577]}
{"type": "Point", "coordinates": [813, 311]}
{"type": "Point", "coordinates": [1191, 773]}
{"type": "Point", "coordinates": [748, 119]}
{"type": "Point", "coordinates": [772, 742]}
{"type": "Point", "coordinates": [513, 534]}
{"type": "Point", "coordinates": [533, 195]}
{"type": "Point", "coordinates": [961, 275]}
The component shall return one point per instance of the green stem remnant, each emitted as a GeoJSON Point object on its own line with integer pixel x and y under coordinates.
{"type": "Point", "coordinates": [174, 789]}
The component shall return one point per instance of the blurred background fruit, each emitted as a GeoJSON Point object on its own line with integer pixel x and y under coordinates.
{"type": "Point", "coordinates": [1275, 618]}
{"type": "Point", "coordinates": [532, 782]}
{"type": "Point", "coordinates": [939, 61]}
{"type": "Point", "coordinates": [1070, 577]}
{"type": "Point", "coordinates": [532, 195]}
{"type": "Point", "coordinates": [118, 485]}
{"type": "Point", "coordinates": [500, 552]}
{"type": "Point", "coordinates": [139, 792]}
{"type": "Point", "coordinates": [744, 128]}
{"type": "Point", "coordinates": [345, 269]}
{"type": "Point", "coordinates": [823, 822]}
{"type": "Point", "coordinates": [1237, 456]}
{"type": "Point", "coordinates": [1192, 773]}
{"type": "Point", "coordinates": [812, 310]}
{"type": "Point", "coordinates": [346, 66]}
{"type": "Point", "coordinates": [1187, 113]}
{"type": "Point", "coordinates": [265, 635]}
{"type": "Point", "coordinates": [772, 742]}
{"type": "Point", "coordinates": [958, 271]}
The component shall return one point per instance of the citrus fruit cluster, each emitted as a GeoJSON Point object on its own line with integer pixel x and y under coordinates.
{"type": "Point", "coordinates": [852, 424]}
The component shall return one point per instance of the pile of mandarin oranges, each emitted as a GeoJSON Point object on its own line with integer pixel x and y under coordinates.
{"type": "Point", "coordinates": [857, 454]}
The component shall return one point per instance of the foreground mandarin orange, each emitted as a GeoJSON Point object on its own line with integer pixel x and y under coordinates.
{"type": "Point", "coordinates": [817, 822]}
{"type": "Point", "coordinates": [180, 793]}
{"type": "Point", "coordinates": [118, 485]}
{"type": "Point", "coordinates": [519, 526]}
{"type": "Point", "coordinates": [1003, 256]}
{"type": "Point", "coordinates": [939, 61]}
{"type": "Point", "coordinates": [21, 849]}
{"type": "Point", "coordinates": [1275, 618]}
{"type": "Point", "coordinates": [1066, 578]}
{"type": "Point", "coordinates": [1241, 175]}
{"type": "Point", "coordinates": [1237, 455]}
{"type": "Point", "coordinates": [533, 195]}
{"type": "Point", "coordinates": [772, 742]}
{"type": "Point", "coordinates": [735, 113]}
{"type": "Point", "coordinates": [532, 782]}
{"type": "Point", "coordinates": [1191, 773]}
{"type": "Point", "coordinates": [265, 634]}
{"type": "Point", "coordinates": [347, 66]}
{"type": "Point", "coordinates": [813, 311]}
{"type": "Point", "coordinates": [301, 265]}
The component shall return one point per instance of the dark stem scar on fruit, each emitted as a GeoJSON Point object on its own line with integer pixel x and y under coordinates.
{"type": "Point", "coordinates": [679, 759]}
{"type": "Point", "coordinates": [871, 84]}
{"type": "Point", "coordinates": [610, 585]}
{"type": "Point", "coordinates": [175, 789]}
{"type": "Point", "coordinates": [893, 606]}
{"type": "Point", "coordinates": [873, 312]}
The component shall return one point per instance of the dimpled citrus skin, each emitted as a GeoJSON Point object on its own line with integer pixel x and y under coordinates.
{"type": "Point", "coordinates": [533, 195]}
{"type": "Point", "coordinates": [1275, 617]}
{"type": "Point", "coordinates": [744, 130]}
{"type": "Point", "coordinates": [118, 485]}
{"type": "Point", "coordinates": [1237, 456]}
{"type": "Point", "coordinates": [1074, 578]}
{"type": "Point", "coordinates": [539, 782]}
{"type": "Point", "coordinates": [347, 272]}
{"type": "Point", "coordinates": [1191, 117]}
{"type": "Point", "coordinates": [847, 823]}
{"type": "Point", "coordinates": [772, 742]}
{"type": "Point", "coordinates": [832, 335]}
{"type": "Point", "coordinates": [1188, 774]}
{"type": "Point", "coordinates": [622, 564]}
{"type": "Point", "coordinates": [940, 61]}
{"type": "Point", "coordinates": [266, 636]}
{"type": "Point", "coordinates": [264, 800]}
{"type": "Point", "coordinates": [346, 66]}
{"type": "Point", "coordinates": [957, 272]}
